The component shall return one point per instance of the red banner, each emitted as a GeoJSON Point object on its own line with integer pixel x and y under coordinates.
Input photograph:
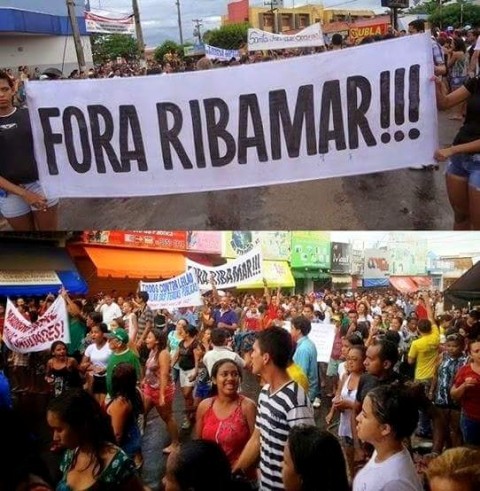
{"type": "Point", "coordinates": [171, 240]}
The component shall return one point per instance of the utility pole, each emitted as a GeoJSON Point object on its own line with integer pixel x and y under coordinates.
{"type": "Point", "coordinates": [179, 14]}
{"type": "Point", "coordinates": [197, 32]}
{"type": "Point", "coordinates": [138, 30]}
{"type": "Point", "coordinates": [294, 16]}
{"type": "Point", "coordinates": [274, 17]}
{"type": "Point", "coordinates": [76, 36]}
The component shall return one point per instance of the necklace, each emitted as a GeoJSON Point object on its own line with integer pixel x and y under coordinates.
{"type": "Point", "coordinates": [9, 114]}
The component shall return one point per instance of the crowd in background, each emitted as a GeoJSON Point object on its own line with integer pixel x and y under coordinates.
{"type": "Point", "coordinates": [401, 365]}
{"type": "Point", "coordinates": [457, 45]}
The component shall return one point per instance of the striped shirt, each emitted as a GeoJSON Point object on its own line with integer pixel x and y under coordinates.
{"type": "Point", "coordinates": [277, 413]}
{"type": "Point", "coordinates": [144, 316]}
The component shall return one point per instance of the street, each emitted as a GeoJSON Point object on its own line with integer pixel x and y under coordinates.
{"type": "Point", "coordinates": [397, 200]}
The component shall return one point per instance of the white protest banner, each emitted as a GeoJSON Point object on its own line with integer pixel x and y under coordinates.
{"type": "Point", "coordinates": [181, 291]}
{"type": "Point", "coordinates": [359, 110]}
{"type": "Point", "coordinates": [100, 23]}
{"type": "Point", "coordinates": [309, 37]}
{"type": "Point", "coordinates": [22, 336]}
{"type": "Point", "coordinates": [221, 54]}
{"type": "Point", "coordinates": [245, 268]}
{"type": "Point", "coordinates": [323, 336]}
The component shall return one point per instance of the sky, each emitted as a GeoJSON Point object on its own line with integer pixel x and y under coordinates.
{"type": "Point", "coordinates": [442, 243]}
{"type": "Point", "coordinates": [159, 17]}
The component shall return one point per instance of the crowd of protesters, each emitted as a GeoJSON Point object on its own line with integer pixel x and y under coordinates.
{"type": "Point", "coordinates": [402, 368]}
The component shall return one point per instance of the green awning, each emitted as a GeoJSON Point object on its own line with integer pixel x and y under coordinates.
{"type": "Point", "coordinates": [310, 274]}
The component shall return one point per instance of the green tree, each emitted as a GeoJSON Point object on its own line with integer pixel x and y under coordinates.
{"type": "Point", "coordinates": [167, 47]}
{"type": "Point", "coordinates": [230, 36]}
{"type": "Point", "coordinates": [456, 15]}
{"type": "Point", "coordinates": [107, 47]}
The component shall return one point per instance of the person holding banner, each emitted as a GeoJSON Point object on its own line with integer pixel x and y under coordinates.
{"type": "Point", "coordinates": [22, 200]}
{"type": "Point", "coordinates": [463, 168]}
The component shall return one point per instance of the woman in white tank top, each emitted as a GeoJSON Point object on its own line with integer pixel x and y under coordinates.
{"type": "Point", "coordinates": [344, 402]}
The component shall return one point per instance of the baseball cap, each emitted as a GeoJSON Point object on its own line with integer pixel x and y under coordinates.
{"type": "Point", "coordinates": [119, 334]}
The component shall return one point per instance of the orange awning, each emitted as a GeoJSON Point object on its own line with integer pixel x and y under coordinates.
{"type": "Point", "coordinates": [123, 263]}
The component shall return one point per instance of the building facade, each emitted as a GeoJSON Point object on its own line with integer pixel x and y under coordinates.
{"type": "Point", "coordinates": [39, 34]}
{"type": "Point", "coordinates": [348, 22]}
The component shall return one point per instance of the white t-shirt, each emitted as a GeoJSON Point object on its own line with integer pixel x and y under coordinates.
{"type": "Point", "coordinates": [110, 312]}
{"type": "Point", "coordinates": [397, 473]}
{"type": "Point", "coordinates": [98, 357]}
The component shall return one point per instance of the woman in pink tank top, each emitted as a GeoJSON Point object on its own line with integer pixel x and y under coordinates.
{"type": "Point", "coordinates": [228, 418]}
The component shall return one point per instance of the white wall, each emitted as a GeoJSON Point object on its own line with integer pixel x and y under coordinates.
{"type": "Point", "coordinates": [42, 51]}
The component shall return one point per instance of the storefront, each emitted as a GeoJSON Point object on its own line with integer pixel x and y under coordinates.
{"type": "Point", "coordinates": [37, 270]}
{"type": "Point", "coordinates": [341, 265]}
{"type": "Point", "coordinates": [310, 260]}
{"type": "Point", "coordinates": [116, 261]}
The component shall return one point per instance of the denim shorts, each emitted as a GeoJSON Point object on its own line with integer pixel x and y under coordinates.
{"type": "Point", "coordinates": [13, 206]}
{"type": "Point", "coordinates": [466, 166]}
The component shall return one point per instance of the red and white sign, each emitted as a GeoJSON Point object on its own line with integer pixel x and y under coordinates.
{"type": "Point", "coordinates": [175, 240]}
{"type": "Point", "coordinates": [23, 336]}
{"type": "Point", "coordinates": [109, 24]}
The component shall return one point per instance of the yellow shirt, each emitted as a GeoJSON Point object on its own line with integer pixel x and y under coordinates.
{"type": "Point", "coordinates": [297, 375]}
{"type": "Point", "coordinates": [425, 350]}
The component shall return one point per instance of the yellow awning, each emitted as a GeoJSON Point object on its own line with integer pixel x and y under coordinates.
{"type": "Point", "coordinates": [277, 273]}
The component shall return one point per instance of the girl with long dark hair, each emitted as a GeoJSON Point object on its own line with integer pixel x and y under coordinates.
{"type": "Point", "coordinates": [92, 460]}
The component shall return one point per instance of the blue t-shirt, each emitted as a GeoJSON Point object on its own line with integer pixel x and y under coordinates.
{"type": "Point", "coordinates": [306, 358]}
{"type": "Point", "coordinates": [5, 394]}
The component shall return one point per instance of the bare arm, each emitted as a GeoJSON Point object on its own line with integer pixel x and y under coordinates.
{"type": "Point", "coordinates": [201, 410]}
{"type": "Point", "coordinates": [164, 373]}
{"type": "Point", "coordinates": [250, 454]}
{"type": "Point", "coordinates": [250, 412]}
{"type": "Point", "coordinates": [266, 292]}
{"type": "Point", "coordinates": [133, 330]}
{"type": "Point", "coordinates": [472, 68]}
{"type": "Point", "coordinates": [452, 58]}
{"type": "Point", "coordinates": [34, 199]}
{"type": "Point", "coordinates": [119, 411]}
{"type": "Point", "coordinates": [446, 153]}
{"type": "Point", "coordinates": [458, 392]}
{"type": "Point", "coordinates": [446, 101]}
